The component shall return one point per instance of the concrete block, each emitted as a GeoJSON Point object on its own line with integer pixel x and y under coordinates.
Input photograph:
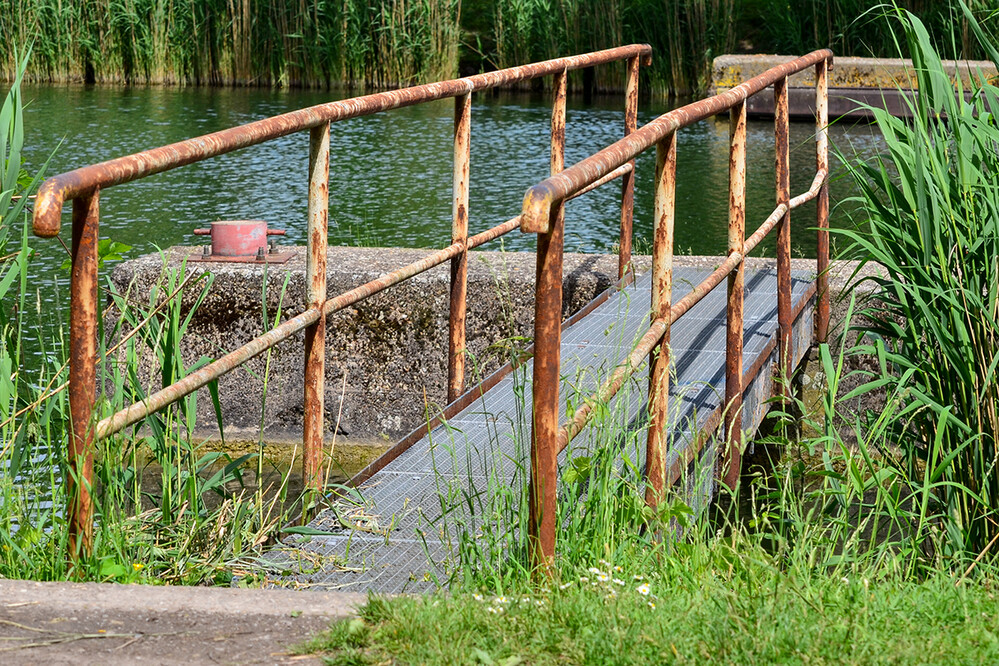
{"type": "Point", "coordinates": [386, 360]}
{"type": "Point", "coordinates": [882, 82]}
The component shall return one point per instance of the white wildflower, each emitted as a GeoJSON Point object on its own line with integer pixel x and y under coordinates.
{"type": "Point", "coordinates": [643, 589]}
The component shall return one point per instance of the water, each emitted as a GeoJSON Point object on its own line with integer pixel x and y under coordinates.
{"type": "Point", "coordinates": [391, 173]}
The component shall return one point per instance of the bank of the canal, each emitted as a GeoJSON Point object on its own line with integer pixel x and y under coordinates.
{"type": "Point", "coordinates": [91, 623]}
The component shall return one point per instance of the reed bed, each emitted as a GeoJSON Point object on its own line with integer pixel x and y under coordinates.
{"type": "Point", "coordinates": [387, 43]}
{"type": "Point", "coordinates": [375, 43]}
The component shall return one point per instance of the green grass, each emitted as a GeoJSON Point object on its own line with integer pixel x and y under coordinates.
{"type": "Point", "coordinates": [714, 603]}
{"type": "Point", "coordinates": [930, 219]}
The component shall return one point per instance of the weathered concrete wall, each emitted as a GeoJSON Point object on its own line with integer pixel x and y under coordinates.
{"type": "Point", "coordinates": [386, 356]}
{"type": "Point", "coordinates": [876, 81]}
{"type": "Point", "coordinates": [728, 71]}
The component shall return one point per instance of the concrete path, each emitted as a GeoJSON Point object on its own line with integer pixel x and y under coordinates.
{"type": "Point", "coordinates": [92, 623]}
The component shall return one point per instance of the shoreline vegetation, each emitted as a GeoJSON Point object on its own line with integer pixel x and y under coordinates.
{"type": "Point", "coordinates": [377, 44]}
{"type": "Point", "coordinates": [869, 537]}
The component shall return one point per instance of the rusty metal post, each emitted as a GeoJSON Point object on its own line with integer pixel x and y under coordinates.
{"type": "Point", "coordinates": [662, 299]}
{"type": "Point", "coordinates": [822, 201]}
{"type": "Point", "coordinates": [547, 339]}
{"type": "Point", "coordinates": [82, 372]}
{"type": "Point", "coordinates": [459, 234]}
{"type": "Point", "coordinates": [628, 180]}
{"type": "Point", "coordinates": [782, 168]}
{"type": "Point", "coordinates": [315, 335]}
{"type": "Point", "coordinates": [736, 287]}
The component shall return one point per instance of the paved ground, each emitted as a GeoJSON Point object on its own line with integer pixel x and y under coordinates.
{"type": "Point", "coordinates": [91, 623]}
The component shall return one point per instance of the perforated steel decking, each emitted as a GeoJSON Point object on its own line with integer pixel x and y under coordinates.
{"type": "Point", "coordinates": [458, 477]}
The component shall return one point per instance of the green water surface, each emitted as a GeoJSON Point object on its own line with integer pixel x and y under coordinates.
{"type": "Point", "coordinates": [390, 179]}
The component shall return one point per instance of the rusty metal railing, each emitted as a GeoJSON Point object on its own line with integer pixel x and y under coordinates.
{"type": "Point", "coordinates": [543, 214]}
{"type": "Point", "coordinates": [83, 187]}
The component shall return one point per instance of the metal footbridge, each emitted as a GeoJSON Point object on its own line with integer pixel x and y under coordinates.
{"type": "Point", "coordinates": [401, 530]}
{"type": "Point", "coordinates": [665, 359]}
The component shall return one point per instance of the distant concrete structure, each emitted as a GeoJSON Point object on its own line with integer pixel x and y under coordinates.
{"type": "Point", "coordinates": [853, 82]}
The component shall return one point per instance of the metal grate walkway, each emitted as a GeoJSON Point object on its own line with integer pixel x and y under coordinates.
{"type": "Point", "coordinates": [402, 533]}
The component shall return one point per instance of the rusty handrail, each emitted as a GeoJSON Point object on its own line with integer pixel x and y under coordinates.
{"type": "Point", "coordinates": [584, 413]}
{"type": "Point", "coordinates": [542, 214]}
{"type": "Point", "coordinates": [64, 187]}
{"type": "Point", "coordinates": [83, 187]}
{"type": "Point", "coordinates": [540, 198]}
{"type": "Point", "coordinates": [201, 377]}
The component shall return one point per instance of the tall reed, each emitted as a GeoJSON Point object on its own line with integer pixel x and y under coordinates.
{"type": "Point", "coordinates": [685, 35]}
{"type": "Point", "coordinates": [858, 27]}
{"type": "Point", "coordinates": [932, 204]}
{"type": "Point", "coordinates": [381, 43]}
{"type": "Point", "coordinates": [285, 42]}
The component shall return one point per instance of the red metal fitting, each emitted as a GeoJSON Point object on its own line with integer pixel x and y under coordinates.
{"type": "Point", "coordinates": [238, 238]}
{"type": "Point", "coordinates": [241, 240]}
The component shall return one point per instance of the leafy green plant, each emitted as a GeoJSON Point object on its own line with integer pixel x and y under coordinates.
{"type": "Point", "coordinates": [107, 250]}
{"type": "Point", "coordinates": [931, 201]}
{"type": "Point", "coordinates": [167, 509]}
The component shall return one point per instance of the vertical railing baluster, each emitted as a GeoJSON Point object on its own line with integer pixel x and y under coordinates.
{"type": "Point", "coordinates": [628, 180]}
{"type": "Point", "coordinates": [783, 178]}
{"type": "Point", "coordinates": [662, 299]}
{"type": "Point", "coordinates": [459, 234]}
{"type": "Point", "coordinates": [547, 339]}
{"type": "Point", "coordinates": [822, 201]}
{"type": "Point", "coordinates": [82, 372]}
{"type": "Point", "coordinates": [315, 335]}
{"type": "Point", "coordinates": [736, 286]}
